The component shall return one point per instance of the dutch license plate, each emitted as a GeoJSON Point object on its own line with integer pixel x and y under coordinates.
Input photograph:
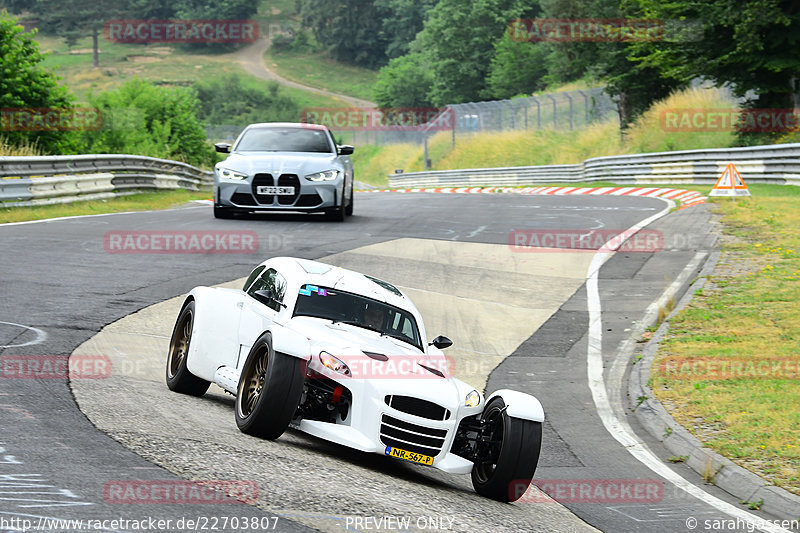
{"type": "Point", "coordinates": [409, 456]}
{"type": "Point", "coordinates": [280, 191]}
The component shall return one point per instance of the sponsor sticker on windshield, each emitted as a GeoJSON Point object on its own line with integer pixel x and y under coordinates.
{"type": "Point", "coordinates": [306, 290]}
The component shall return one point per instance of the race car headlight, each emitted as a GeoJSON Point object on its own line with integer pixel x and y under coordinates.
{"type": "Point", "coordinates": [333, 363]}
{"type": "Point", "coordinates": [227, 174]}
{"type": "Point", "coordinates": [326, 175]}
{"type": "Point", "coordinates": [472, 399]}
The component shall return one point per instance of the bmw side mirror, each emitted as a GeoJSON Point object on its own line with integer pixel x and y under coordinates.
{"type": "Point", "coordinates": [345, 149]}
{"type": "Point", "coordinates": [441, 342]}
{"type": "Point", "coordinates": [223, 148]}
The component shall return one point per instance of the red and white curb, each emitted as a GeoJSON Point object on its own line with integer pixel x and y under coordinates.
{"type": "Point", "coordinates": [687, 198]}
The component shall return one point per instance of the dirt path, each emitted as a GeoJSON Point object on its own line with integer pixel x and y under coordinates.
{"type": "Point", "coordinates": [252, 60]}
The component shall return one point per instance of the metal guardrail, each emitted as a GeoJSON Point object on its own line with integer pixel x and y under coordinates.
{"type": "Point", "coordinates": [26, 181]}
{"type": "Point", "coordinates": [779, 163]}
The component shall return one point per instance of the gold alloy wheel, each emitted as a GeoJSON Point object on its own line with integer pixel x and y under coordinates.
{"type": "Point", "coordinates": [180, 344]}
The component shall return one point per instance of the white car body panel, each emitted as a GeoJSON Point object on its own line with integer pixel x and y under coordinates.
{"type": "Point", "coordinates": [215, 330]}
{"type": "Point", "coordinates": [520, 405]}
{"type": "Point", "coordinates": [228, 321]}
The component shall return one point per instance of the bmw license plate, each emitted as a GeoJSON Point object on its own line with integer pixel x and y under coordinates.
{"type": "Point", "coordinates": [409, 456]}
{"type": "Point", "coordinates": [279, 191]}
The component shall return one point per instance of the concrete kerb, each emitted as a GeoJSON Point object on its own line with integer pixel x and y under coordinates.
{"type": "Point", "coordinates": [723, 473]}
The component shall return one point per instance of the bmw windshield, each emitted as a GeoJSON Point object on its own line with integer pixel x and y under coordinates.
{"type": "Point", "coordinates": [348, 308]}
{"type": "Point", "coordinates": [288, 139]}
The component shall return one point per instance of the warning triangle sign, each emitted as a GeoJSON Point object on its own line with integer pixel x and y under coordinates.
{"type": "Point", "coordinates": [730, 184]}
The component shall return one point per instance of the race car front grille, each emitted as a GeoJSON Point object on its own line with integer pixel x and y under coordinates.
{"type": "Point", "coordinates": [261, 180]}
{"type": "Point", "coordinates": [289, 180]}
{"type": "Point", "coordinates": [308, 200]}
{"type": "Point", "coordinates": [242, 198]}
{"type": "Point", "coordinates": [411, 437]}
{"type": "Point", "coordinates": [417, 407]}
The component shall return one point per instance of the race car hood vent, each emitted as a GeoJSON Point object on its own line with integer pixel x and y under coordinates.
{"type": "Point", "coordinates": [432, 370]}
{"type": "Point", "coordinates": [375, 355]}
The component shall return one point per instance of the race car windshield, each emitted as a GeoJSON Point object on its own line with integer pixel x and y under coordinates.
{"type": "Point", "coordinates": [349, 308]}
{"type": "Point", "coordinates": [284, 140]}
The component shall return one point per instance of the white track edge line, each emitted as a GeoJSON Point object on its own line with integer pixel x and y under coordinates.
{"type": "Point", "coordinates": [621, 432]}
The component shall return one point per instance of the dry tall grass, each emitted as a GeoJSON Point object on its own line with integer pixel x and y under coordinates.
{"type": "Point", "coordinates": [549, 147]}
{"type": "Point", "coordinates": [22, 149]}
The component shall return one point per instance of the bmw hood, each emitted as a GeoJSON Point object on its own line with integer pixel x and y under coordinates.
{"type": "Point", "coordinates": [277, 163]}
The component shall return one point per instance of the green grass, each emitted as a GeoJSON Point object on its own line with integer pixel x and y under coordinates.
{"type": "Point", "coordinates": [314, 69]}
{"type": "Point", "coordinates": [749, 314]}
{"type": "Point", "coordinates": [158, 63]}
{"type": "Point", "coordinates": [137, 202]}
{"type": "Point", "coordinates": [317, 70]}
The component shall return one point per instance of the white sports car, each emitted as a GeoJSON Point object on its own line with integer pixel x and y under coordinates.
{"type": "Point", "coordinates": [343, 356]}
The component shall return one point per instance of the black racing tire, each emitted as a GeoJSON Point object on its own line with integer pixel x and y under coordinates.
{"type": "Point", "coordinates": [179, 379]}
{"type": "Point", "coordinates": [223, 212]}
{"type": "Point", "coordinates": [337, 214]}
{"type": "Point", "coordinates": [508, 457]}
{"type": "Point", "coordinates": [269, 390]}
{"type": "Point", "coordinates": [349, 209]}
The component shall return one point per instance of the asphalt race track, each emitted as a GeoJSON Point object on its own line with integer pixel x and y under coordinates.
{"type": "Point", "coordinates": [61, 287]}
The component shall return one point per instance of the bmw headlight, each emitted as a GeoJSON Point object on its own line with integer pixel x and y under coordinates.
{"type": "Point", "coordinates": [333, 363]}
{"type": "Point", "coordinates": [472, 399]}
{"type": "Point", "coordinates": [227, 174]}
{"type": "Point", "coordinates": [325, 175]}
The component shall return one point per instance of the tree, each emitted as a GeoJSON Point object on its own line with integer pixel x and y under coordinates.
{"type": "Point", "coordinates": [349, 30]}
{"type": "Point", "coordinates": [73, 19]}
{"type": "Point", "coordinates": [458, 41]}
{"type": "Point", "coordinates": [634, 85]}
{"type": "Point", "coordinates": [226, 101]}
{"type": "Point", "coordinates": [750, 45]}
{"type": "Point", "coordinates": [17, 6]}
{"type": "Point", "coordinates": [24, 84]}
{"type": "Point", "coordinates": [141, 118]}
{"type": "Point", "coordinates": [405, 82]}
{"type": "Point", "coordinates": [516, 68]}
{"type": "Point", "coordinates": [403, 21]}
{"type": "Point", "coordinates": [203, 9]}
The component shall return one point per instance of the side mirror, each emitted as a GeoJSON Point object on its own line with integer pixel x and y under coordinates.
{"type": "Point", "coordinates": [223, 148]}
{"type": "Point", "coordinates": [345, 149]}
{"type": "Point", "coordinates": [441, 342]}
{"type": "Point", "coordinates": [267, 298]}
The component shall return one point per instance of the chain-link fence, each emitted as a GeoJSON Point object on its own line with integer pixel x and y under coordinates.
{"type": "Point", "coordinates": [568, 110]}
